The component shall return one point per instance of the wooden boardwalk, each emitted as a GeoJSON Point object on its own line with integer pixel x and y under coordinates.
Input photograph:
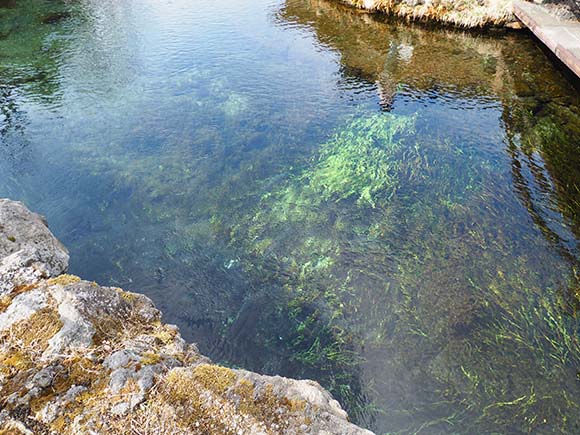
{"type": "Point", "coordinates": [562, 37]}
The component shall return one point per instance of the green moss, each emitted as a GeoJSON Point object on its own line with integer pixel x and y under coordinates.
{"type": "Point", "coordinates": [64, 280]}
{"type": "Point", "coordinates": [182, 391]}
{"type": "Point", "coordinates": [214, 378]}
{"type": "Point", "coordinates": [150, 358]}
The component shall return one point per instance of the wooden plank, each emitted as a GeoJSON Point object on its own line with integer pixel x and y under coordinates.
{"type": "Point", "coordinates": [561, 37]}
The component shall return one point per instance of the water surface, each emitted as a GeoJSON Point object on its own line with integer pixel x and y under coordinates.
{"type": "Point", "coordinates": [314, 192]}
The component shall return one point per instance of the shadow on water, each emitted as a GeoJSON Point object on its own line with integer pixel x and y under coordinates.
{"type": "Point", "coordinates": [7, 4]}
{"type": "Point", "coordinates": [388, 209]}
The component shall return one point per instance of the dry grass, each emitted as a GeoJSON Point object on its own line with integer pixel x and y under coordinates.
{"type": "Point", "coordinates": [31, 336]}
{"type": "Point", "coordinates": [64, 280]}
{"type": "Point", "coordinates": [200, 399]}
{"type": "Point", "coordinates": [154, 418]}
{"type": "Point", "coordinates": [462, 13]}
{"type": "Point", "coordinates": [14, 428]}
{"type": "Point", "coordinates": [203, 399]}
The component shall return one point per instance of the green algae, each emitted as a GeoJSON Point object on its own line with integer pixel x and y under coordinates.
{"type": "Point", "coordinates": [361, 160]}
{"type": "Point", "coordinates": [407, 266]}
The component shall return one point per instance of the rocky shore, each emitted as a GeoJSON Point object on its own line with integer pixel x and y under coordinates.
{"type": "Point", "coordinates": [79, 358]}
{"type": "Point", "coordinates": [465, 13]}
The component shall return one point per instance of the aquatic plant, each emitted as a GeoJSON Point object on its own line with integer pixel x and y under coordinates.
{"type": "Point", "coordinates": [319, 215]}
{"type": "Point", "coordinates": [386, 256]}
{"type": "Point", "coordinates": [29, 44]}
{"type": "Point", "coordinates": [311, 249]}
{"type": "Point", "coordinates": [29, 37]}
{"type": "Point", "coordinates": [362, 161]}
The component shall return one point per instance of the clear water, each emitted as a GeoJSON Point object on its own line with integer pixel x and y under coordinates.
{"type": "Point", "coordinates": [314, 192]}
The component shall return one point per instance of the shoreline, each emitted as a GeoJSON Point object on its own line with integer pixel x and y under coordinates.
{"type": "Point", "coordinates": [553, 25]}
{"type": "Point", "coordinates": [80, 358]}
{"type": "Point", "coordinates": [482, 15]}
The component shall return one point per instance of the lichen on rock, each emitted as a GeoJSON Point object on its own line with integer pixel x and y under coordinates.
{"type": "Point", "coordinates": [28, 251]}
{"type": "Point", "coordinates": [79, 358]}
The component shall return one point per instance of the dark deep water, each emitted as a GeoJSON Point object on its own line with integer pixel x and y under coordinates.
{"type": "Point", "coordinates": [310, 191]}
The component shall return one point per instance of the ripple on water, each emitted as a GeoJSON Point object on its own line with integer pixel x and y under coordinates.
{"type": "Point", "coordinates": [314, 192]}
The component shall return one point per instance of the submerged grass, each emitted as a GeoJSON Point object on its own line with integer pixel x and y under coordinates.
{"type": "Point", "coordinates": [395, 266]}
{"type": "Point", "coordinates": [385, 248]}
{"type": "Point", "coordinates": [361, 161]}
{"type": "Point", "coordinates": [493, 350]}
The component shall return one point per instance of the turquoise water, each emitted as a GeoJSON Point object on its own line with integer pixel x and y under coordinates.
{"type": "Point", "coordinates": [310, 191]}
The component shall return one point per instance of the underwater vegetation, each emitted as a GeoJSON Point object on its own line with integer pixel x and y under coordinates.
{"type": "Point", "coordinates": [408, 239]}
{"type": "Point", "coordinates": [319, 253]}
{"type": "Point", "coordinates": [361, 160]}
{"type": "Point", "coordinates": [469, 327]}
{"type": "Point", "coordinates": [389, 264]}
{"type": "Point", "coordinates": [30, 40]}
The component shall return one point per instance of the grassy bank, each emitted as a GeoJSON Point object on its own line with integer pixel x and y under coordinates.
{"type": "Point", "coordinates": [462, 13]}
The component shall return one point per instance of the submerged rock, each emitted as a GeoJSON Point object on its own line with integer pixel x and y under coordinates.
{"type": "Point", "coordinates": [79, 358]}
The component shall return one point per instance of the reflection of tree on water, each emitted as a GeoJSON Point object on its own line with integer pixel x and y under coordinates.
{"type": "Point", "coordinates": [387, 85]}
{"type": "Point", "coordinates": [536, 187]}
{"type": "Point", "coordinates": [543, 141]}
{"type": "Point", "coordinates": [12, 119]}
{"type": "Point", "coordinates": [28, 67]}
{"type": "Point", "coordinates": [403, 53]}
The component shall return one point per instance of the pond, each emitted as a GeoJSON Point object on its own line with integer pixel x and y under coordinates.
{"type": "Point", "coordinates": [307, 190]}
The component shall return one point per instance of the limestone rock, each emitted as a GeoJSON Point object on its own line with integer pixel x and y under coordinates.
{"type": "Point", "coordinates": [28, 250]}
{"type": "Point", "coordinates": [79, 358]}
